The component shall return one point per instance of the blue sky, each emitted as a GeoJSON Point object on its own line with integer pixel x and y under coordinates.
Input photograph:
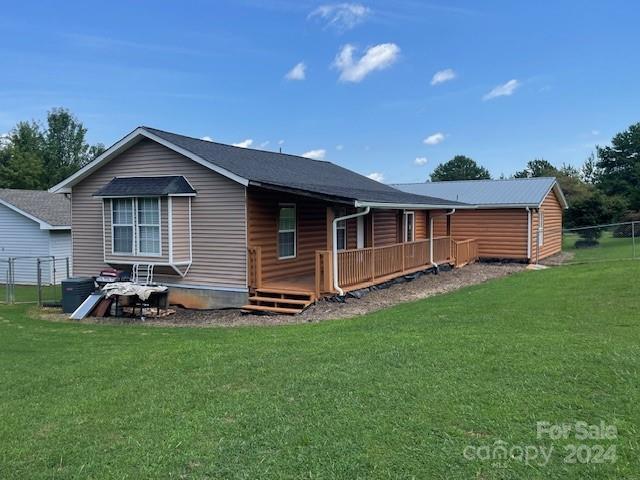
{"type": "Point", "coordinates": [564, 76]}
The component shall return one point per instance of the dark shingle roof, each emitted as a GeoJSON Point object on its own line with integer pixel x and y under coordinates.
{"type": "Point", "coordinates": [50, 208]}
{"type": "Point", "coordinates": [141, 186]}
{"type": "Point", "coordinates": [320, 177]}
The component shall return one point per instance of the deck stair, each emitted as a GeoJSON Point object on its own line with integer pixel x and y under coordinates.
{"type": "Point", "coordinates": [275, 300]}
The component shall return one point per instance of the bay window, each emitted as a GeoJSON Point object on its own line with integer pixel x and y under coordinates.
{"type": "Point", "coordinates": [136, 226]}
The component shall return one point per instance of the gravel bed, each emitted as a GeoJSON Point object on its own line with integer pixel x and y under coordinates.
{"type": "Point", "coordinates": [424, 286]}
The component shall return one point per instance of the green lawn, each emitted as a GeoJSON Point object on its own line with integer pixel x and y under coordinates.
{"type": "Point", "coordinates": [609, 248]}
{"type": "Point", "coordinates": [29, 293]}
{"type": "Point", "coordinates": [396, 394]}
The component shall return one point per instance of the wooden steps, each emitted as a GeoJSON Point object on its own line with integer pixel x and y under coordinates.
{"type": "Point", "coordinates": [278, 300]}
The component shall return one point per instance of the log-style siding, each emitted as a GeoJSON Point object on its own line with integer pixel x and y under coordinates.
{"type": "Point", "coordinates": [386, 228]}
{"type": "Point", "coordinates": [218, 216]}
{"type": "Point", "coordinates": [422, 230]}
{"type": "Point", "coordinates": [552, 244]}
{"type": "Point", "coordinates": [501, 233]}
{"type": "Point", "coordinates": [311, 232]}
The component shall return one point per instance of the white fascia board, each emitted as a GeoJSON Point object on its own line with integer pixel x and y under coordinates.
{"type": "Point", "coordinates": [43, 225]}
{"type": "Point", "coordinates": [124, 144]}
{"type": "Point", "coordinates": [416, 206]}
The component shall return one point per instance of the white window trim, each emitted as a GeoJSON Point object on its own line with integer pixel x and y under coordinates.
{"type": "Point", "coordinates": [132, 225]}
{"type": "Point", "coordinates": [159, 225]}
{"type": "Point", "coordinates": [294, 230]}
{"type": "Point", "coordinates": [136, 247]}
{"type": "Point", "coordinates": [405, 234]}
{"type": "Point", "coordinates": [342, 225]}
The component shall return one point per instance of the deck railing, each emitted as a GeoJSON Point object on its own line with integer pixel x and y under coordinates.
{"type": "Point", "coordinates": [367, 265]}
{"type": "Point", "coordinates": [465, 251]}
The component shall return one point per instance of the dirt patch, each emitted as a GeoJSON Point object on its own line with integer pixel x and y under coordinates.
{"type": "Point", "coordinates": [558, 259]}
{"type": "Point", "coordinates": [422, 287]}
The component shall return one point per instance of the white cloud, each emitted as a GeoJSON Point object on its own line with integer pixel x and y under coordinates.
{"type": "Point", "coordinates": [244, 143]}
{"type": "Point", "coordinates": [339, 147]}
{"type": "Point", "coordinates": [503, 90]}
{"type": "Point", "coordinates": [264, 144]}
{"type": "Point", "coordinates": [207, 138]}
{"type": "Point", "coordinates": [315, 154]}
{"type": "Point", "coordinates": [377, 176]}
{"type": "Point", "coordinates": [443, 76]}
{"type": "Point", "coordinates": [297, 73]}
{"type": "Point", "coordinates": [377, 57]}
{"type": "Point", "coordinates": [595, 133]}
{"type": "Point", "coordinates": [341, 16]}
{"type": "Point", "coordinates": [420, 161]}
{"type": "Point", "coordinates": [434, 139]}
{"type": "Point", "coordinates": [280, 142]}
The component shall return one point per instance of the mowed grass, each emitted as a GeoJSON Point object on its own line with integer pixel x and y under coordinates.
{"type": "Point", "coordinates": [609, 248]}
{"type": "Point", "coordinates": [395, 394]}
{"type": "Point", "coordinates": [29, 293]}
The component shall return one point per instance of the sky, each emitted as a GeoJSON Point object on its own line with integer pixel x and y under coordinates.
{"type": "Point", "coordinates": [388, 89]}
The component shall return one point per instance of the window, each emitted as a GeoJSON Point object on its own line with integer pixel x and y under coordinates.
{"type": "Point", "coordinates": [149, 226]}
{"type": "Point", "coordinates": [409, 226]}
{"type": "Point", "coordinates": [122, 221]}
{"type": "Point", "coordinates": [287, 231]}
{"type": "Point", "coordinates": [341, 230]}
{"type": "Point", "coordinates": [541, 228]}
{"type": "Point", "coordinates": [135, 226]}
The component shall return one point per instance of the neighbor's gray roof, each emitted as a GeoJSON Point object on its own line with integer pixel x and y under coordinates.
{"type": "Point", "coordinates": [142, 186]}
{"type": "Point", "coordinates": [516, 191]}
{"type": "Point", "coordinates": [291, 172]}
{"type": "Point", "coordinates": [49, 208]}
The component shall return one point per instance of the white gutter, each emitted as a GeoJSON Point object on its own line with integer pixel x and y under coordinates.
{"type": "Point", "coordinates": [335, 245]}
{"type": "Point", "coordinates": [528, 233]}
{"type": "Point", "coordinates": [431, 217]}
{"type": "Point", "coordinates": [416, 206]}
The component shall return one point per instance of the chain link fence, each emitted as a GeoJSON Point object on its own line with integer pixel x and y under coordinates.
{"type": "Point", "coordinates": [602, 243]}
{"type": "Point", "coordinates": [33, 279]}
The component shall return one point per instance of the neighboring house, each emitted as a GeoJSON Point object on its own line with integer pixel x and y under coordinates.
{"type": "Point", "coordinates": [219, 222]}
{"type": "Point", "coordinates": [519, 219]}
{"type": "Point", "coordinates": [34, 224]}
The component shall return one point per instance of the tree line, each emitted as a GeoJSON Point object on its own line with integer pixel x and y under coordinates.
{"type": "Point", "coordinates": [35, 156]}
{"type": "Point", "coordinates": [605, 189]}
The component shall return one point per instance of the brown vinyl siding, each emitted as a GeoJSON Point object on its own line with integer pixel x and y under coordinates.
{"type": "Point", "coordinates": [180, 209]}
{"type": "Point", "coordinates": [501, 233]}
{"type": "Point", "coordinates": [218, 216]}
{"type": "Point", "coordinates": [386, 227]}
{"type": "Point", "coordinates": [119, 258]}
{"type": "Point", "coordinates": [311, 232]}
{"type": "Point", "coordinates": [421, 225]}
{"type": "Point", "coordinates": [552, 210]}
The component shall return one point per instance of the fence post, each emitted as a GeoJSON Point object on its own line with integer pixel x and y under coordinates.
{"type": "Point", "coordinates": [633, 238]}
{"type": "Point", "coordinates": [10, 291]}
{"type": "Point", "coordinates": [55, 277]}
{"type": "Point", "coordinates": [39, 277]}
{"type": "Point", "coordinates": [67, 262]}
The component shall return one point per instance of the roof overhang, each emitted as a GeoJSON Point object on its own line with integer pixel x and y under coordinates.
{"type": "Point", "coordinates": [43, 225]}
{"type": "Point", "coordinates": [127, 142]}
{"type": "Point", "coordinates": [416, 206]}
{"type": "Point", "coordinates": [559, 193]}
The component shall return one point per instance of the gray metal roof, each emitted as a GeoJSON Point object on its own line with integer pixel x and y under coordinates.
{"type": "Point", "coordinates": [295, 173]}
{"type": "Point", "coordinates": [142, 186]}
{"type": "Point", "coordinates": [50, 208]}
{"type": "Point", "coordinates": [525, 192]}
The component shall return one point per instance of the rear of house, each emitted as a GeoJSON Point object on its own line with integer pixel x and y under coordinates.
{"type": "Point", "coordinates": [225, 226]}
{"type": "Point", "coordinates": [516, 219]}
{"type": "Point", "coordinates": [35, 227]}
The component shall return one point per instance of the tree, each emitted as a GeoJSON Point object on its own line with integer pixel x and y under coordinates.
{"type": "Point", "coordinates": [459, 167]}
{"type": "Point", "coordinates": [21, 164]}
{"type": "Point", "coordinates": [537, 168]}
{"type": "Point", "coordinates": [590, 210]}
{"type": "Point", "coordinates": [66, 150]}
{"type": "Point", "coordinates": [619, 167]}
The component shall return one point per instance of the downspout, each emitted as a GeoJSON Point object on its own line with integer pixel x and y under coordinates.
{"type": "Point", "coordinates": [528, 233]}
{"type": "Point", "coordinates": [335, 244]}
{"type": "Point", "coordinates": [431, 217]}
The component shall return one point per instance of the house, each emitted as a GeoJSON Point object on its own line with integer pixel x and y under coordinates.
{"type": "Point", "coordinates": [34, 224]}
{"type": "Point", "coordinates": [220, 224]}
{"type": "Point", "coordinates": [516, 219]}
